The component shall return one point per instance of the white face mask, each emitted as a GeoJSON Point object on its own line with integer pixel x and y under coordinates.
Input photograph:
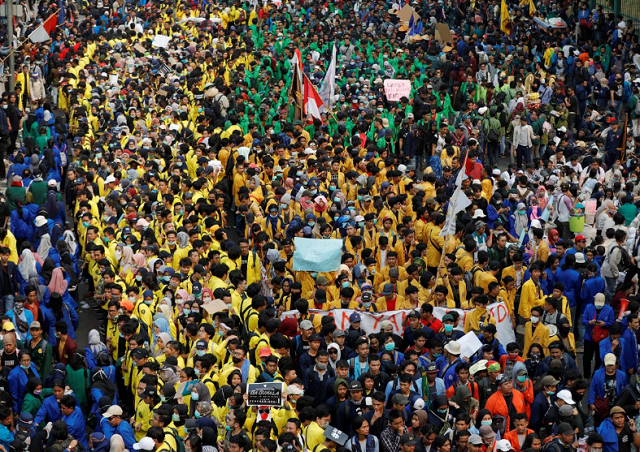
{"type": "Point", "coordinates": [535, 319]}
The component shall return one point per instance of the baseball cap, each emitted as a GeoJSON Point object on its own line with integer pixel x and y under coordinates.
{"type": "Point", "coordinates": [580, 237]}
{"type": "Point", "coordinates": [549, 381]}
{"type": "Point", "coordinates": [504, 445]}
{"type": "Point", "coordinates": [565, 395]}
{"type": "Point", "coordinates": [609, 359]}
{"type": "Point", "coordinates": [399, 399]}
{"type": "Point", "coordinates": [35, 326]}
{"type": "Point", "coordinates": [201, 344]}
{"type": "Point", "coordinates": [339, 333]}
{"type": "Point", "coordinates": [315, 337]}
{"type": "Point", "coordinates": [475, 440]}
{"type": "Point", "coordinates": [264, 352]}
{"type": "Point", "coordinates": [145, 443]}
{"type": "Point", "coordinates": [486, 431]}
{"type": "Point", "coordinates": [502, 378]}
{"type": "Point", "coordinates": [617, 409]}
{"type": "Point", "coordinates": [565, 428]}
{"type": "Point", "coordinates": [306, 325]}
{"type": "Point", "coordinates": [355, 385]}
{"type": "Point", "coordinates": [114, 410]}
{"type": "Point", "coordinates": [355, 317]}
{"type": "Point", "coordinates": [408, 439]}
{"type": "Point", "coordinates": [599, 300]}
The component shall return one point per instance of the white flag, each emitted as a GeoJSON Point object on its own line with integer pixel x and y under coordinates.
{"type": "Point", "coordinates": [328, 86]}
{"type": "Point", "coordinates": [39, 35]}
{"type": "Point", "coordinates": [459, 202]}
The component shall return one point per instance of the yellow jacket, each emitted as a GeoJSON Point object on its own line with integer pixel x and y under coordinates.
{"type": "Point", "coordinates": [530, 296]}
{"type": "Point", "coordinates": [475, 320]}
{"type": "Point", "coordinates": [540, 335]}
{"type": "Point", "coordinates": [435, 244]}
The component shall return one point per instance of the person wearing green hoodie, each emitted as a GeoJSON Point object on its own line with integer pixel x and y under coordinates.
{"type": "Point", "coordinates": [34, 395]}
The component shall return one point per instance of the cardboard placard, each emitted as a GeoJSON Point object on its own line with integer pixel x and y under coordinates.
{"type": "Point", "coordinates": [443, 34]}
{"type": "Point", "coordinates": [140, 48]}
{"type": "Point", "coordinates": [265, 394]}
{"type": "Point", "coordinates": [161, 41]}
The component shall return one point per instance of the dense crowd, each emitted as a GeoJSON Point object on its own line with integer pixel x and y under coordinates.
{"type": "Point", "coordinates": [161, 170]}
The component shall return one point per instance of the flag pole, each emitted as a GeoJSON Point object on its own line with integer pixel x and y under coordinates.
{"type": "Point", "coordinates": [10, 55]}
{"type": "Point", "coordinates": [10, 32]}
{"type": "Point", "coordinates": [451, 206]}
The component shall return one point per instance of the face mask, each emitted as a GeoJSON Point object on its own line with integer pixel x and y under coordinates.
{"type": "Point", "coordinates": [366, 304]}
{"type": "Point", "coordinates": [314, 192]}
{"type": "Point", "coordinates": [442, 411]}
{"type": "Point", "coordinates": [200, 352]}
{"type": "Point", "coordinates": [448, 328]}
{"type": "Point", "coordinates": [171, 243]}
{"type": "Point", "coordinates": [486, 422]}
{"type": "Point", "coordinates": [283, 206]}
{"type": "Point", "coordinates": [197, 372]}
{"type": "Point", "coordinates": [321, 366]}
{"type": "Point", "coordinates": [24, 367]}
{"type": "Point", "coordinates": [599, 307]}
{"type": "Point", "coordinates": [390, 347]}
{"type": "Point", "coordinates": [118, 255]}
{"type": "Point", "coordinates": [164, 399]}
{"type": "Point", "coordinates": [437, 355]}
{"type": "Point", "coordinates": [196, 414]}
{"type": "Point", "coordinates": [336, 218]}
{"type": "Point", "coordinates": [550, 393]}
{"type": "Point", "coordinates": [298, 173]}
{"type": "Point", "coordinates": [312, 224]}
{"type": "Point", "coordinates": [345, 284]}
{"type": "Point", "coordinates": [186, 311]}
{"type": "Point", "coordinates": [175, 417]}
{"type": "Point", "coordinates": [535, 319]}
{"type": "Point", "coordinates": [37, 392]}
{"type": "Point", "coordinates": [86, 224]}
{"type": "Point", "coordinates": [236, 360]}
{"type": "Point", "coordinates": [522, 378]}
{"type": "Point", "coordinates": [138, 278]}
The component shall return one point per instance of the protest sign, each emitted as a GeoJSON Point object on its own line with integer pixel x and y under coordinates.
{"type": "Point", "coordinates": [161, 41]}
{"type": "Point", "coordinates": [265, 394]}
{"type": "Point", "coordinates": [371, 321]}
{"type": "Point", "coordinates": [313, 255]}
{"type": "Point", "coordinates": [395, 89]}
{"type": "Point", "coordinates": [469, 344]}
{"type": "Point", "coordinates": [443, 34]}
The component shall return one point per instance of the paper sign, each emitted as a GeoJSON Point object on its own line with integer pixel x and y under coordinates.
{"type": "Point", "coordinates": [469, 344]}
{"type": "Point", "coordinates": [161, 41]}
{"type": "Point", "coordinates": [370, 321]}
{"type": "Point", "coordinates": [443, 34]}
{"type": "Point", "coordinates": [313, 255]}
{"type": "Point", "coordinates": [265, 394]}
{"type": "Point", "coordinates": [214, 306]}
{"type": "Point", "coordinates": [113, 79]}
{"type": "Point", "coordinates": [140, 48]}
{"type": "Point", "coordinates": [395, 89]}
{"type": "Point", "coordinates": [523, 234]}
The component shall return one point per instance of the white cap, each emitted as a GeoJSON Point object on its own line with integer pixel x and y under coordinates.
{"type": "Point", "coordinates": [109, 179]}
{"type": "Point", "coordinates": [145, 443]}
{"type": "Point", "coordinates": [453, 347]}
{"type": "Point", "coordinates": [609, 359]}
{"type": "Point", "coordinates": [40, 221]}
{"type": "Point", "coordinates": [309, 151]}
{"type": "Point", "coordinates": [482, 110]}
{"type": "Point", "coordinates": [52, 183]}
{"type": "Point", "coordinates": [114, 410]}
{"type": "Point", "coordinates": [142, 222]}
{"type": "Point", "coordinates": [294, 390]}
{"type": "Point", "coordinates": [565, 395]}
{"type": "Point", "coordinates": [504, 445]}
{"type": "Point", "coordinates": [598, 300]}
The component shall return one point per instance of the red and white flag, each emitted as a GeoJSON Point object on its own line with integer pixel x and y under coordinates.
{"type": "Point", "coordinates": [44, 31]}
{"type": "Point", "coordinates": [312, 100]}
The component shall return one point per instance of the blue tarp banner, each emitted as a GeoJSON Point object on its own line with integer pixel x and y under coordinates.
{"type": "Point", "coordinates": [317, 255]}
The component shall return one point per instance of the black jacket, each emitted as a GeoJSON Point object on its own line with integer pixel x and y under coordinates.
{"type": "Point", "coordinates": [11, 274]}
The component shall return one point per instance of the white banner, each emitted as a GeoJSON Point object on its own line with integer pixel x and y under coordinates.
{"type": "Point", "coordinates": [371, 320]}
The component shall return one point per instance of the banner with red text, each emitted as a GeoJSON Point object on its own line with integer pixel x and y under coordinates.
{"type": "Point", "coordinates": [371, 320]}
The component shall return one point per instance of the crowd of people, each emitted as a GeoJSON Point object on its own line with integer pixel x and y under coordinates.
{"type": "Point", "coordinates": [159, 173]}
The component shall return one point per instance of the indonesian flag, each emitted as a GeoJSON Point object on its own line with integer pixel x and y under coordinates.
{"type": "Point", "coordinates": [43, 32]}
{"type": "Point", "coordinates": [312, 100]}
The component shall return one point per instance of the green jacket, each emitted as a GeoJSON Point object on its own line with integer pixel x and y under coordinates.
{"type": "Point", "coordinates": [42, 357]}
{"type": "Point", "coordinates": [32, 403]}
{"type": "Point", "coordinates": [39, 190]}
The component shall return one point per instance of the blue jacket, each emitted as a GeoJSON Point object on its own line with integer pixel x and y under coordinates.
{"type": "Point", "coordinates": [123, 429]}
{"type": "Point", "coordinates": [590, 313]}
{"type": "Point", "coordinates": [608, 432]}
{"type": "Point", "coordinates": [77, 426]}
{"type": "Point", "coordinates": [597, 384]}
{"type": "Point", "coordinates": [591, 287]}
{"type": "Point", "coordinates": [630, 352]}
{"type": "Point", "coordinates": [538, 410]}
{"type": "Point", "coordinates": [605, 347]}
{"type": "Point", "coordinates": [450, 376]}
{"type": "Point", "coordinates": [18, 379]}
{"type": "Point", "coordinates": [70, 317]}
{"type": "Point", "coordinates": [552, 279]}
{"type": "Point", "coordinates": [6, 437]}
{"type": "Point", "coordinates": [26, 335]}
{"type": "Point", "coordinates": [572, 282]}
{"type": "Point", "coordinates": [49, 411]}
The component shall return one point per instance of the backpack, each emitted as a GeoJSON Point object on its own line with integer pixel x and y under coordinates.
{"type": "Point", "coordinates": [625, 261]}
{"type": "Point", "coordinates": [297, 221]}
{"type": "Point", "coordinates": [468, 278]}
{"type": "Point", "coordinates": [179, 441]}
{"type": "Point", "coordinates": [493, 134]}
{"type": "Point", "coordinates": [252, 351]}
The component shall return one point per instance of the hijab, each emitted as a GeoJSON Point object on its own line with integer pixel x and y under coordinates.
{"type": "Point", "coordinates": [139, 260]}
{"type": "Point", "coordinates": [126, 261]}
{"type": "Point", "coordinates": [116, 444]}
{"type": "Point", "coordinates": [27, 266]}
{"type": "Point", "coordinates": [462, 393]}
{"type": "Point", "coordinates": [47, 270]}
{"type": "Point", "coordinates": [45, 245]}
{"type": "Point", "coordinates": [95, 344]}
{"type": "Point", "coordinates": [58, 283]}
